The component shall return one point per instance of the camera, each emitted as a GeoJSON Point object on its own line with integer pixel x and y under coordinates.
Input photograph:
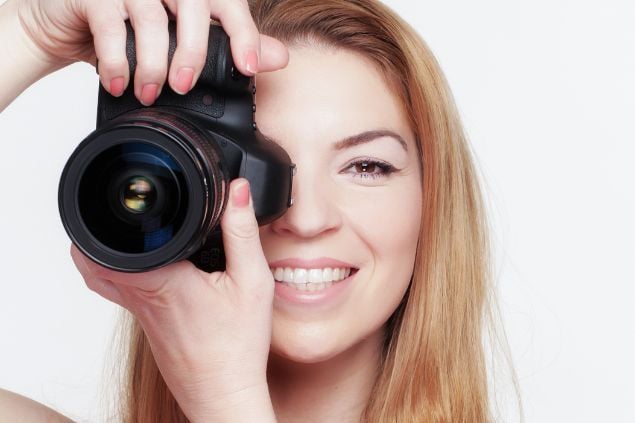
{"type": "Point", "coordinates": [148, 187]}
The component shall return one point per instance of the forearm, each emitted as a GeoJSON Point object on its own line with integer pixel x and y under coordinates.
{"type": "Point", "coordinates": [252, 405]}
{"type": "Point", "coordinates": [16, 408]}
{"type": "Point", "coordinates": [21, 63]}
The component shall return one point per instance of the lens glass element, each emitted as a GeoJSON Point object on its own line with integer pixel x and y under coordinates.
{"type": "Point", "coordinates": [139, 194]}
{"type": "Point", "coordinates": [133, 197]}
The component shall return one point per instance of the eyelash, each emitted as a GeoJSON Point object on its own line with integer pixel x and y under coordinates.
{"type": "Point", "coordinates": [385, 168]}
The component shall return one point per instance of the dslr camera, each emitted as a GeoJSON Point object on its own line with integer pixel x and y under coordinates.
{"type": "Point", "coordinates": [148, 187]}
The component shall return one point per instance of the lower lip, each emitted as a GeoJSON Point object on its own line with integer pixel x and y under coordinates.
{"type": "Point", "coordinates": [289, 294]}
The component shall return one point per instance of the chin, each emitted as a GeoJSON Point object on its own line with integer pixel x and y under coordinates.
{"type": "Point", "coordinates": [304, 355]}
{"type": "Point", "coordinates": [306, 346]}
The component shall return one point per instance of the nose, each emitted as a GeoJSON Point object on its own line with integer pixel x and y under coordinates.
{"type": "Point", "coordinates": [314, 211]}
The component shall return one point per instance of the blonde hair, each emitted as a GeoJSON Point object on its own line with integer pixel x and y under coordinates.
{"type": "Point", "coordinates": [434, 367]}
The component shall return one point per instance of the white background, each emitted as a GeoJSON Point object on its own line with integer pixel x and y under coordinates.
{"type": "Point", "coordinates": [547, 93]}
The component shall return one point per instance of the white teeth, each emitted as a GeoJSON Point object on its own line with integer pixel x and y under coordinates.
{"type": "Point", "coordinates": [315, 275]}
{"type": "Point", "coordinates": [288, 275]}
{"type": "Point", "coordinates": [279, 274]}
{"type": "Point", "coordinates": [313, 278]}
{"type": "Point", "coordinates": [299, 276]}
{"type": "Point", "coordinates": [327, 275]}
{"type": "Point", "coordinates": [336, 274]}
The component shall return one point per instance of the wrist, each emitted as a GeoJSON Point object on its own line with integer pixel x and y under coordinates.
{"type": "Point", "coordinates": [21, 62]}
{"type": "Point", "coordinates": [249, 405]}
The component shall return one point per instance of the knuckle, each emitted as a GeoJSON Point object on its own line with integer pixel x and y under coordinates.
{"type": "Point", "coordinates": [100, 272]}
{"type": "Point", "coordinates": [192, 3]}
{"type": "Point", "coordinates": [90, 283]}
{"type": "Point", "coordinates": [108, 29]}
{"type": "Point", "coordinates": [192, 52]}
{"type": "Point", "coordinates": [150, 14]}
{"type": "Point", "coordinates": [95, 284]}
{"type": "Point", "coordinates": [191, 47]}
{"type": "Point", "coordinates": [149, 70]}
{"type": "Point", "coordinates": [245, 230]}
{"type": "Point", "coordinates": [153, 299]}
{"type": "Point", "coordinates": [112, 65]}
{"type": "Point", "coordinates": [233, 10]}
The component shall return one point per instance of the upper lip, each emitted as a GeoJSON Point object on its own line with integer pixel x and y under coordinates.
{"type": "Point", "coordinates": [315, 263]}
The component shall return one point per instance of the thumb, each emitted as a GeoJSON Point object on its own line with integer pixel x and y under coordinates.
{"type": "Point", "coordinates": [245, 260]}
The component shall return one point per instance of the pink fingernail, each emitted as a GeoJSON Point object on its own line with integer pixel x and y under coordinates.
{"type": "Point", "coordinates": [149, 94]}
{"type": "Point", "coordinates": [184, 78]}
{"type": "Point", "coordinates": [251, 62]}
{"type": "Point", "coordinates": [116, 86]}
{"type": "Point", "coordinates": [240, 196]}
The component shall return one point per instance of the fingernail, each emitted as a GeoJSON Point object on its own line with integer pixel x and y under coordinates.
{"type": "Point", "coordinates": [149, 94]}
{"type": "Point", "coordinates": [251, 62]}
{"type": "Point", "coordinates": [116, 86]}
{"type": "Point", "coordinates": [240, 196]}
{"type": "Point", "coordinates": [184, 79]}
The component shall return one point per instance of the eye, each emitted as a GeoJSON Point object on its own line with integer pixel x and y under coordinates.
{"type": "Point", "coordinates": [369, 168]}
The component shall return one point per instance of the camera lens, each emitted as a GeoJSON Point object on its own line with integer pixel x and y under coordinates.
{"type": "Point", "coordinates": [131, 198]}
{"type": "Point", "coordinates": [138, 194]}
{"type": "Point", "coordinates": [143, 192]}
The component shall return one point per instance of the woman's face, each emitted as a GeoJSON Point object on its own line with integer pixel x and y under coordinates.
{"type": "Point", "coordinates": [357, 202]}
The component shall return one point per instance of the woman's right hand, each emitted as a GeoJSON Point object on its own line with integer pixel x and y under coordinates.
{"type": "Point", "coordinates": [85, 30]}
{"type": "Point", "coordinates": [209, 333]}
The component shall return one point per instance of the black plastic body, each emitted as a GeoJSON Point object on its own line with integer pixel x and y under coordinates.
{"type": "Point", "coordinates": [221, 103]}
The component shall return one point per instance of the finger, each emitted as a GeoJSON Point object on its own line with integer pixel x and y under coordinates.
{"type": "Point", "coordinates": [192, 33]}
{"type": "Point", "coordinates": [243, 34]}
{"type": "Point", "coordinates": [109, 36]}
{"type": "Point", "coordinates": [103, 287]}
{"type": "Point", "coordinates": [106, 289]}
{"type": "Point", "coordinates": [153, 280]}
{"type": "Point", "coordinates": [274, 54]}
{"type": "Point", "coordinates": [246, 261]}
{"type": "Point", "coordinates": [150, 22]}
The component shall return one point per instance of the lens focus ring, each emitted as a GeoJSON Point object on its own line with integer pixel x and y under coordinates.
{"type": "Point", "coordinates": [144, 191]}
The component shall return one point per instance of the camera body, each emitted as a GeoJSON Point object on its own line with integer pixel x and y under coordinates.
{"type": "Point", "coordinates": [148, 187]}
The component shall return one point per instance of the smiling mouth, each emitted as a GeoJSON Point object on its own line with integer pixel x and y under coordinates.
{"type": "Point", "coordinates": [311, 279]}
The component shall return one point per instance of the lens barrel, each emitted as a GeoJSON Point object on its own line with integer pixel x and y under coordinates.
{"type": "Point", "coordinates": [143, 191]}
{"type": "Point", "coordinates": [149, 186]}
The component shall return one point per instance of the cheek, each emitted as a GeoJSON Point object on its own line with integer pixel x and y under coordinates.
{"type": "Point", "coordinates": [385, 226]}
{"type": "Point", "coordinates": [389, 229]}
{"type": "Point", "coordinates": [388, 224]}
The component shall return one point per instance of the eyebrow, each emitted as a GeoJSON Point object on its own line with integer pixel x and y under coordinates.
{"type": "Point", "coordinates": [369, 136]}
{"type": "Point", "coordinates": [360, 138]}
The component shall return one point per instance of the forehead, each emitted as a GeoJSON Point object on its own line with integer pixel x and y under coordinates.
{"type": "Point", "coordinates": [327, 93]}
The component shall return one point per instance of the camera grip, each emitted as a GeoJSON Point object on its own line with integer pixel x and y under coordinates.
{"type": "Point", "coordinates": [219, 86]}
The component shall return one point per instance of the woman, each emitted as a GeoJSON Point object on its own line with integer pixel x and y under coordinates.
{"type": "Point", "coordinates": [387, 225]}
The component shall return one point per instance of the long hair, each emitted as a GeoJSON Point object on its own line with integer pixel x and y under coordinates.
{"type": "Point", "coordinates": [433, 367]}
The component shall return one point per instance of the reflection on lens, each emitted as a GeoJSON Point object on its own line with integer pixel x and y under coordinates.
{"type": "Point", "coordinates": [146, 189]}
{"type": "Point", "coordinates": [132, 197]}
{"type": "Point", "coordinates": [139, 194]}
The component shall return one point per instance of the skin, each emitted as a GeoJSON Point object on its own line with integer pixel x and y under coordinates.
{"type": "Point", "coordinates": [215, 375]}
{"type": "Point", "coordinates": [227, 348]}
{"type": "Point", "coordinates": [323, 361]}
{"type": "Point", "coordinates": [48, 35]}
